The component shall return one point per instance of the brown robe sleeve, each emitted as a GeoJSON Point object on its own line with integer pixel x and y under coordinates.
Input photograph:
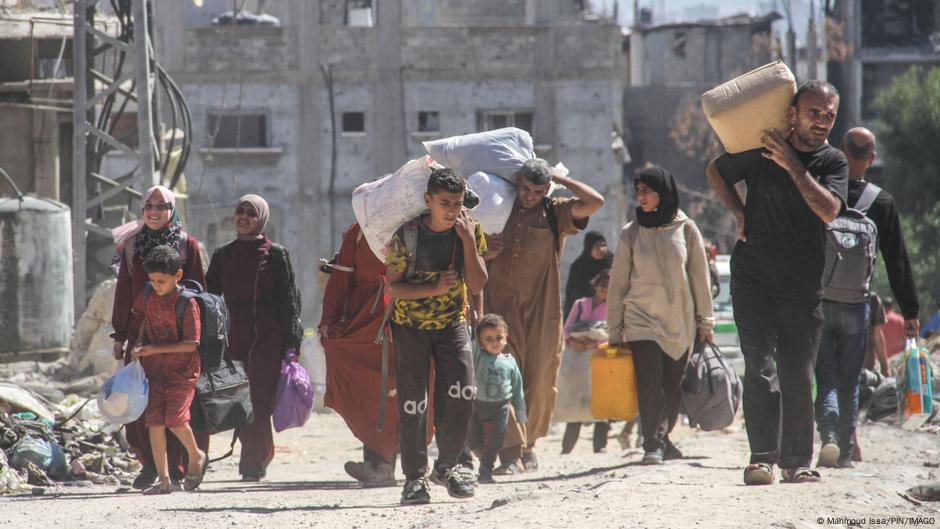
{"type": "Point", "coordinates": [567, 224]}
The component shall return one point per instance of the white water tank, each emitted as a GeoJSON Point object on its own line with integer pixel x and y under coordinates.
{"type": "Point", "coordinates": [36, 299]}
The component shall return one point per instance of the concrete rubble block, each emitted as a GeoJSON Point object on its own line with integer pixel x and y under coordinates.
{"type": "Point", "coordinates": [91, 347]}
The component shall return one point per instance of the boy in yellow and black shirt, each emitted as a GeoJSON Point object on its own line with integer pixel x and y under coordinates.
{"type": "Point", "coordinates": [433, 262]}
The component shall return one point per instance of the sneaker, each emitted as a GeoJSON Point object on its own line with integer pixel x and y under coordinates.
{"type": "Point", "coordinates": [828, 455]}
{"type": "Point", "coordinates": [466, 472]}
{"type": "Point", "coordinates": [671, 453]}
{"type": "Point", "coordinates": [529, 461]}
{"type": "Point", "coordinates": [486, 476]}
{"type": "Point", "coordinates": [146, 478]}
{"type": "Point", "coordinates": [455, 480]}
{"type": "Point", "coordinates": [653, 458]}
{"type": "Point", "coordinates": [415, 492]}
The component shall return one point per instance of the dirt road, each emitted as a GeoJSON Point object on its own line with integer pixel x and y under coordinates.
{"type": "Point", "coordinates": [306, 487]}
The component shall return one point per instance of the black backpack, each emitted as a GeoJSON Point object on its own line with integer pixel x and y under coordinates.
{"type": "Point", "coordinates": [851, 241]}
{"type": "Point", "coordinates": [222, 400]}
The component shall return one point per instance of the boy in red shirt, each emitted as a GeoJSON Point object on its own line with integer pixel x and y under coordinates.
{"type": "Point", "coordinates": [168, 355]}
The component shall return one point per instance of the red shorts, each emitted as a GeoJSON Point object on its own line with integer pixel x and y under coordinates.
{"type": "Point", "coordinates": [169, 406]}
{"type": "Point", "coordinates": [172, 388]}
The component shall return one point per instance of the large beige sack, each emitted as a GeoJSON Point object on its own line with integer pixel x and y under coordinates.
{"type": "Point", "coordinates": [741, 109]}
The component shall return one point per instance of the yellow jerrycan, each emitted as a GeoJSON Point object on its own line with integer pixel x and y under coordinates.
{"type": "Point", "coordinates": [613, 384]}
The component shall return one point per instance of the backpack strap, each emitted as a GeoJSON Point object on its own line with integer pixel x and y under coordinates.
{"type": "Point", "coordinates": [549, 209]}
{"type": "Point", "coordinates": [410, 238]}
{"type": "Point", "coordinates": [867, 198]}
{"type": "Point", "coordinates": [185, 296]}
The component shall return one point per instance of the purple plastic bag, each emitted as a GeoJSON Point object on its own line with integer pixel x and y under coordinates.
{"type": "Point", "coordinates": [294, 397]}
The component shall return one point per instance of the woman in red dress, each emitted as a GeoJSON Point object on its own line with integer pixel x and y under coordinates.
{"type": "Point", "coordinates": [256, 279]}
{"type": "Point", "coordinates": [160, 225]}
{"type": "Point", "coordinates": [353, 309]}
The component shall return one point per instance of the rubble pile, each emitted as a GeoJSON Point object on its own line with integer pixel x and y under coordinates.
{"type": "Point", "coordinates": [45, 444]}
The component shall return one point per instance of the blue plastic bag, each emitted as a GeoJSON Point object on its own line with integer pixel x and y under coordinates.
{"type": "Point", "coordinates": [123, 398]}
{"type": "Point", "coordinates": [294, 397]}
{"type": "Point", "coordinates": [47, 456]}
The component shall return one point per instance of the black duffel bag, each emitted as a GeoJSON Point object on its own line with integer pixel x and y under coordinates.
{"type": "Point", "coordinates": [223, 400]}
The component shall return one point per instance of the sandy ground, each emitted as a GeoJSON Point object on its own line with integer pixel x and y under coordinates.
{"type": "Point", "coordinates": [306, 487]}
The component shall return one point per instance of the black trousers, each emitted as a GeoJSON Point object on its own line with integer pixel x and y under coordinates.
{"type": "Point", "coordinates": [658, 379]}
{"type": "Point", "coordinates": [573, 430]}
{"type": "Point", "coordinates": [779, 340]}
{"type": "Point", "coordinates": [487, 430]}
{"type": "Point", "coordinates": [454, 391]}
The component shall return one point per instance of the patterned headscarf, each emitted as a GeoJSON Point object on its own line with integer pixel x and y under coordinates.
{"type": "Point", "coordinates": [144, 238]}
{"type": "Point", "coordinates": [261, 208]}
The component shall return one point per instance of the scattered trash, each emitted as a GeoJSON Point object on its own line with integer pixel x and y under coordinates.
{"type": "Point", "coordinates": [928, 492]}
{"type": "Point", "coordinates": [46, 455]}
{"type": "Point", "coordinates": [15, 398]}
{"type": "Point", "coordinates": [9, 479]}
{"type": "Point", "coordinates": [44, 445]}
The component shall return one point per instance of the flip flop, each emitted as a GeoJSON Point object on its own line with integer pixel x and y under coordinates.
{"type": "Point", "coordinates": [158, 489]}
{"type": "Point", "coordinates": [759, 474]}
{"type": "Point", "coordinates": [800, 475]}
{"type": "Point", "coordinates": [192, 481]}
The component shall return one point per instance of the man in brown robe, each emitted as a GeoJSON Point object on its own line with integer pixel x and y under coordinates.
{"type": "Point", "coordinates": [525, 289]}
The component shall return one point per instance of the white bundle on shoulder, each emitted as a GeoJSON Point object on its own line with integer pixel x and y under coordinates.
{"type": "Point", "coordinates": [383, 205]}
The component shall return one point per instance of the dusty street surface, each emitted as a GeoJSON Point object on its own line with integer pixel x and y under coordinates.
{"type": "Point", "coordinates": [306, 487]}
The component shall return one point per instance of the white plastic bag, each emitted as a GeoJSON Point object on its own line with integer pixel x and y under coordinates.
{"type": "Point", "coordinates": [496, 198]}
{"type": "Point", "coordinates": [382, 206]}
{"type": "Point", "coordinates": [500, 152]}
{"type": "Point", "coordinates": [123, 397]}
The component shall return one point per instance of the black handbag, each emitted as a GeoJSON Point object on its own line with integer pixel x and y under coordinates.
{"type": "Point", "coordinates": [223, 398]}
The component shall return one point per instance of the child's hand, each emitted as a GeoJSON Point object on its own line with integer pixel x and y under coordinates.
{"type": "Point", "coordinates": [446, 281]}
{"type": "Point", "coordinates": [141, 351]}
{"type": "Point", "coordinates": [465, 227]}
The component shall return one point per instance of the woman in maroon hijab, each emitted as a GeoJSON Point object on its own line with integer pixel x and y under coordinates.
{"type": "Point", "coordinates": [255, 277]}
{"type": "Point", "coordinates": [159, 225]}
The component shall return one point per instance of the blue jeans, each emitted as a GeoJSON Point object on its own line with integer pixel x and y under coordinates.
{"type": "Point", "coordinates": [838, 366]}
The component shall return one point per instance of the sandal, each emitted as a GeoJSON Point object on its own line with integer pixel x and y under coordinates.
{"type": "Point", "coordinates": [759, 474]}
{"type": "Point", "coordinates": [192, 481]}
{"type": "Point", "coordinates": [800, 475]}
{"type": "Point", "coordinates": [158, 489]}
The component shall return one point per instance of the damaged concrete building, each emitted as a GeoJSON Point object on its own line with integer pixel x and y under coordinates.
{"type": "Point", "coordinates": [671, 66]}
{"type": "Point", "coordinates": [327, 95]}
{"type": "Point", "coordinates": [872, 42]}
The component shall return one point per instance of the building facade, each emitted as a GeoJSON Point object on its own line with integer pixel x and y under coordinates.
{"type": "Point", "coordinates": [332, 94]}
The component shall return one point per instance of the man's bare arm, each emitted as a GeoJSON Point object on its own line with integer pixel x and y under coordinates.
{"type": "Point", "coordinates": [588, 201]}
{"type": "Point", "coordinates": [823, 203]}
{"type": "Point", "coordinates": [727, 194]}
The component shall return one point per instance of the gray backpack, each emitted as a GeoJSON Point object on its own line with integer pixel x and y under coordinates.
{"type": "Point", "coordinates": [711, 390]}
{"type": "Point", "coordinates": [851, 242]}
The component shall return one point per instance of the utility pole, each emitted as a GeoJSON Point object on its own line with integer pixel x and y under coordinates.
{"type": "Point", "coordinates": [89, 44]}
{"type": "Point", "coordinates": [812, 69]}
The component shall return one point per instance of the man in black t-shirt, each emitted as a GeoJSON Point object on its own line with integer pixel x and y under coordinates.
{"type": "Point", "coordinates": [858, 144]}
{"type": "Point", "coordinates": [795, 185]}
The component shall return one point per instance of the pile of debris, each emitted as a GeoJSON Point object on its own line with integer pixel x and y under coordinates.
{"type": "Point", "coordinates": [43, 444]}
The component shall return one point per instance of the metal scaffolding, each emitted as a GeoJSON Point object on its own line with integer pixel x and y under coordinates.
{"type": "Point", "coordinates": [133, 81]}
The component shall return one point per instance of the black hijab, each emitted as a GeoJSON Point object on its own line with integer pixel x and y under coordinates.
{"type": "Point", "coordinates": [661, 181]}
{"type": "Point", "coordinates": [583, 270]}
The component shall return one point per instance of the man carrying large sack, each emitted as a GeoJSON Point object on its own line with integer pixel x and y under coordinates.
{"type": "Point", "coordinates": [795, 185]}
{"type": "Point", "coordinates": [525, 289]}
